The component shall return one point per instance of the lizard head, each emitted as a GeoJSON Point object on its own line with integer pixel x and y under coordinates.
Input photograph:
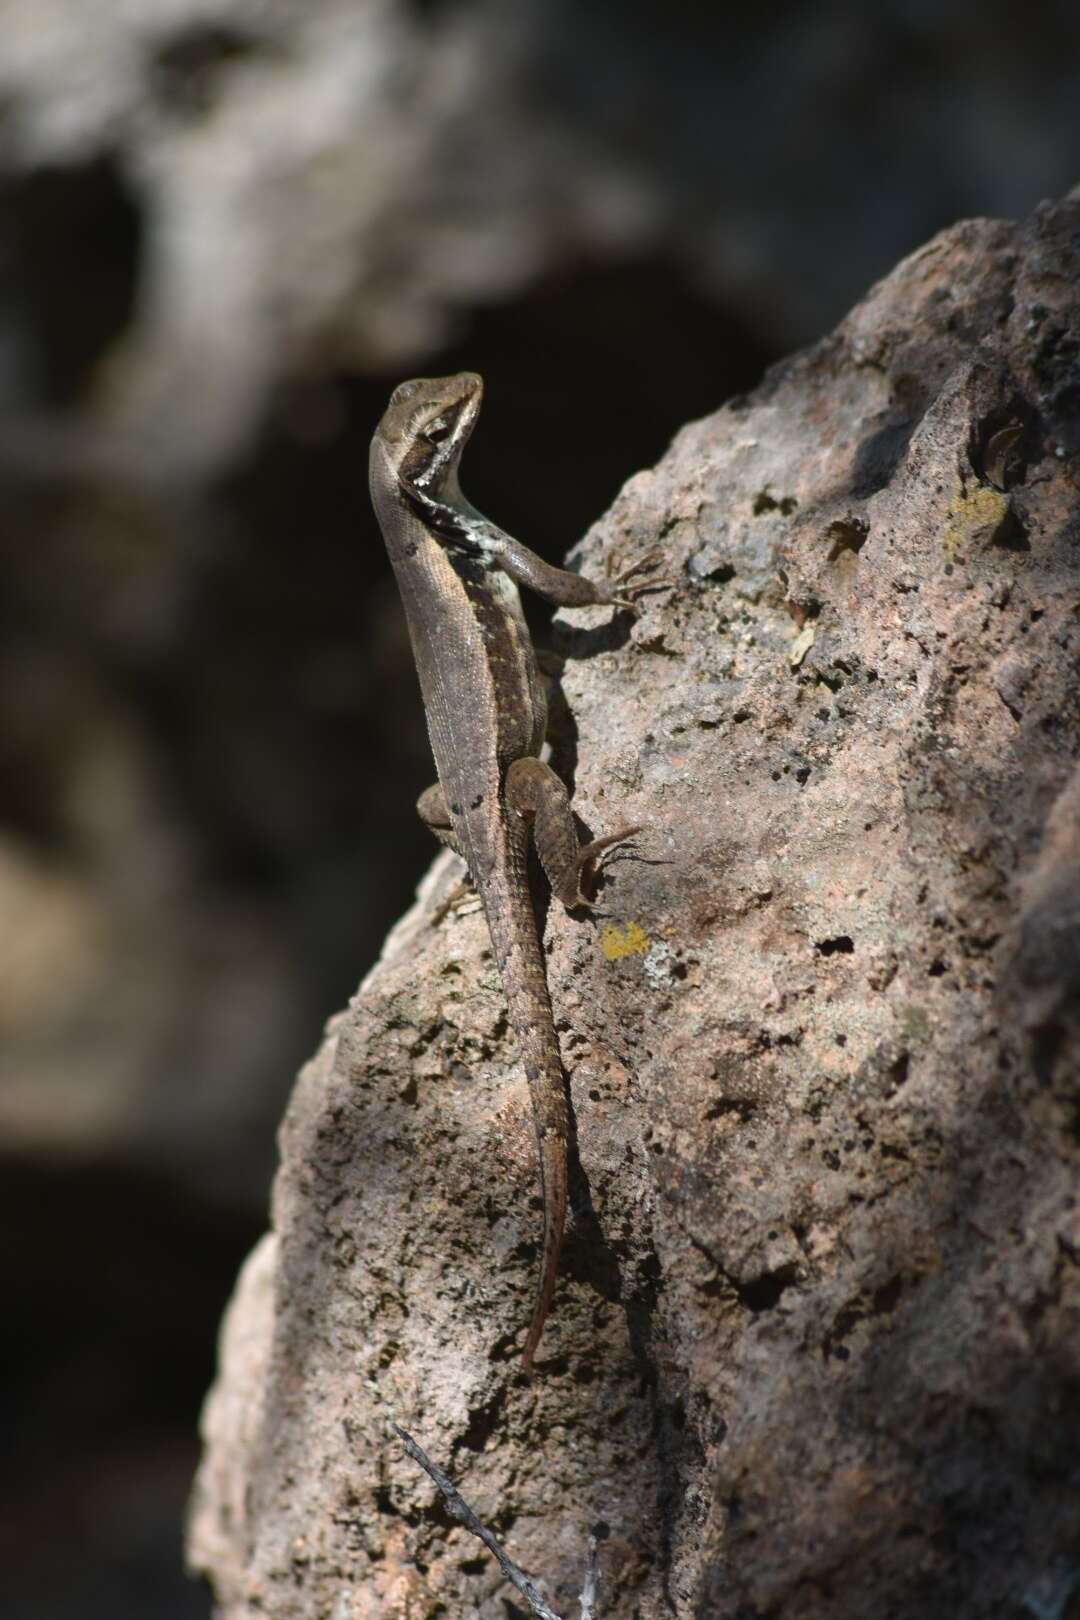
{"type": "Point", "coordinates": [426, 426]}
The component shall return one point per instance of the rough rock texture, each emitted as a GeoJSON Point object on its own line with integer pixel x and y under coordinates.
{"type": "Point", "coordinates": [227, 225]}
{"type": "Point", "coordinates": [816, 1346]}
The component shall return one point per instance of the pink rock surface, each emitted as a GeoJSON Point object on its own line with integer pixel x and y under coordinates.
{"type": "Point", "coordinates": [815, 1349]}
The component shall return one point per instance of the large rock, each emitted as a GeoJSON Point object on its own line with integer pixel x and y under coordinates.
{"type": "Point", "coordinates": [816, 1345]}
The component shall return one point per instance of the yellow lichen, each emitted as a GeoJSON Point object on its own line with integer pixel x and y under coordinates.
{"type": "Point", "coordinates": [616, 941]}
{"type": "Point", "coordinates": [974, 515]}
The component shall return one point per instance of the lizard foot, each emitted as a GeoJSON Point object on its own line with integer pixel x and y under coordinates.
{"type": "Point", "coordinates": [588, 853]}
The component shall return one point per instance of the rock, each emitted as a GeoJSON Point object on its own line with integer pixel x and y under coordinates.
{"type": "Point", "coordinates": [815, 1349]}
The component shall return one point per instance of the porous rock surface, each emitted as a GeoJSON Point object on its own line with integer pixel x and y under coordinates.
{"type": "Point", "coordinates": [816, 1344]}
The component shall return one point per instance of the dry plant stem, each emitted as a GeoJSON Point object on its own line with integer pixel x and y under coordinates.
{"type": "Point", "coordinates": [588, 1588]}
{"type": "Point", "coordinates": [464, 1513]}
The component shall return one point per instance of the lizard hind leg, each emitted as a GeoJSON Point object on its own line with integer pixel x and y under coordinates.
{"type": "Point", "coordinates": [537, 793]}
{"type": "Point", "coordinates": [588, 852]}
{"type": "Point", "coordinates": [432, 809]}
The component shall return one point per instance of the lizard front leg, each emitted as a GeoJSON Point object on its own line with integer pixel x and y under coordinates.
{"type": "Point", "coordinates": [463, 528]}
{"type": "Point", "coordinates": [556, 585]}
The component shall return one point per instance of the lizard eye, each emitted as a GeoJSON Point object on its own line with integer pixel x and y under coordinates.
{"type": "Point", "coordinates": [438, 430]}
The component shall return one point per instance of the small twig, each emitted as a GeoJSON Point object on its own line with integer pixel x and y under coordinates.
{"type": "Point", "coordinates": [588, 1588]}
{"type": "Point", "coordinates": [464, 1513]}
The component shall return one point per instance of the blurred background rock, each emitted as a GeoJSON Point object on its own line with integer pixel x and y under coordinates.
{"type": "Point", "coordinates": [227, 228]}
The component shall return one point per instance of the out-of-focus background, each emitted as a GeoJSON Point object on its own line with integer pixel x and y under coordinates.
{"type": "Point", "coordinates": [227, 228]}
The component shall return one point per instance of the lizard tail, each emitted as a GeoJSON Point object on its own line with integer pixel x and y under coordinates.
{"type": "Point", "coordinates": [521, 964]}
{"type": "Point", "coordinates": [551, 1136]}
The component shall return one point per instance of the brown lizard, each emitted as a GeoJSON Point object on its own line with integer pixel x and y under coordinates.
{"type": "Point", "coordinates": [487, 715]}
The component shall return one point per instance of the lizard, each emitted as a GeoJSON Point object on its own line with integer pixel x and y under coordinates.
{"type": "Point", "coordinates": [486, 709]}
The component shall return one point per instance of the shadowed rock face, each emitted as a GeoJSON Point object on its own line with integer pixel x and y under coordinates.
{"type": "Point", "coordinates": [815, 1351]}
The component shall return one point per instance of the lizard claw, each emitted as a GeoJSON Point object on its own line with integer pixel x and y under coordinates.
{"type": "Point", "coordinates": [652, 581]}
{"type": "Point", "coordinates": [588, 853]}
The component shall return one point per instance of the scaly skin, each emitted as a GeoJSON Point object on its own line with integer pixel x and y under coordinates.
{"type": "Point", "coordinates": [487, 715]}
